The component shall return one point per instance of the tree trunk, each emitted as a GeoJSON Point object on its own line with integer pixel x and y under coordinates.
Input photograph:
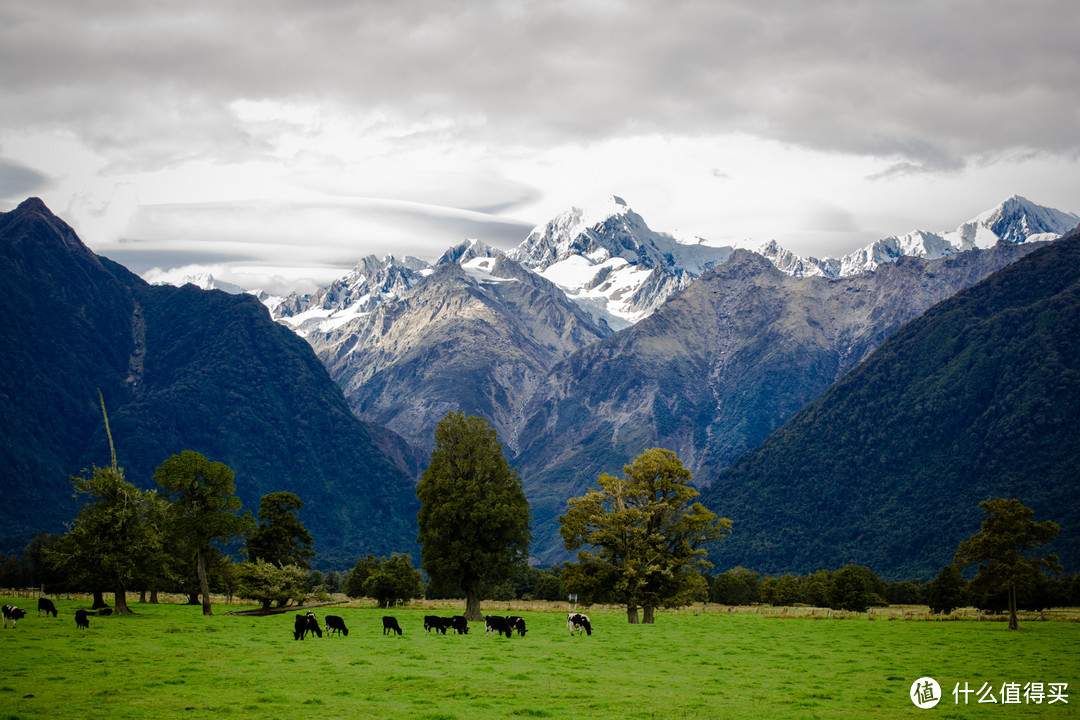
{"type": "Point", "coordinates": [204, 588]}
{"type": "Point", "coordinates": [142, 596]}
{"type": "Point", "coordinates": [472, 607]}
{"type": "Point", "coordinates": [99, 600]}
{"type": "Point", "coordinates": [120, 606]}
{"type": "Point", "coordinates": [1013, 622]}
{"type": "Point", "coordinates": [650, 615]}
{"type": "Point", "coordinates": [153, 597]}
{"type": "Point", "coordinates": [193, 598]}
{"type": "Point", "coordinates": [631, 614]}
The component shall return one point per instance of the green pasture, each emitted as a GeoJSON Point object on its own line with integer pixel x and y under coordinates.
{"type": "Point", "coordinates": [170, 661]}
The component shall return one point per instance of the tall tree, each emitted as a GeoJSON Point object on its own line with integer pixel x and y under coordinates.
{"type": "Point", "coordinates": [112, 536]}
{"type": "Point", "coordinates": [205, 510]}
{"type": "Point", "coordinates": [281, 538]}
{"type": "Point", "coordinates": [646, 535]}
{"type": "Point", "coordinates": [473, 518]}
{"type": "Point", "coordinates": [1005, 550]}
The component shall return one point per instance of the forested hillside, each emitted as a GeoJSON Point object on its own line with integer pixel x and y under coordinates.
{"type": "Point", "coordinates": [179, 369]}
{"type": "Point", "coordinates": [979, 397]}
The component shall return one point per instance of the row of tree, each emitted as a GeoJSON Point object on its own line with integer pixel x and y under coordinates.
{"type": "Point", "coordinates": [859, 588]}
{"type": "Point", "coordinates": [641, 540]}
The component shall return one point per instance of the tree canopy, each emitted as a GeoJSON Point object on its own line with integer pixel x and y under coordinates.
{"type": "Point", "coordinates": [474, 518]}
{"type": "Point", "coordinates": [205, 510]}
{"type": "Point", "coordinates": [281, 539]}
{"type": "Point", "coordinates": [1004, 550]}
{"type": "Point", "coordinates": [113, 535]}
{"type": "Point", "coordinates": [646, 534]}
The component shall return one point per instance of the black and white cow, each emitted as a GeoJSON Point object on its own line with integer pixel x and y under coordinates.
{"type": "Point", "coordinates": [497, 624]}
{"type": "Point", "coordinates": [334, 624]}
{"type": "Point", "coordinates": [45, 605]}
{"type": "Point", "coordinates": [579, 622]}
{"type": "Point", "coordinates": [305, 624]}
{"type": "Point", "coordinates": [459, 624]}
{"type": "Point", "coordinates": [81, 620]}
{"type": "Point", "coordinates": [516, 623]}
{"type": "Point", "coordinates": [390, 625]}
{"type": "Point", "coordinates": [14, 614]}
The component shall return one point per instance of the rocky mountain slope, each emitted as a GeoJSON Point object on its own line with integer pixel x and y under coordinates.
{"type": "Point", "coordinates": [477, 334]}
{"type": "Point", "coordinates": [718, 367]}
{"type": "Point", "coordinates": [977, 398]}
{"type": "Point", "coordinates": [179, 368]}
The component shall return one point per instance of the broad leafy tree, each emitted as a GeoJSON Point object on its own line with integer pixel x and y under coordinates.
{"type": "Point", "coordinates": [205, 510]}
{"type": "Point", "coordinates": [280, 538]}
{"type": "Point", "coordinates": [113, 536]}
{"type": "Point", "coordinates": [396, 580]}
{"type": "Point", "coordinates": [269, 583]}
{"type": "Point", "coordinates": [474, 518]}
{"type": "Point", "coordinates": [1005, 550]}
{"type": "Point", "coordinates": [945, 593]}
{"type": "Point", "coordinates": [643, 537]}
{"type": "Point", "coordinates": [354, 581]}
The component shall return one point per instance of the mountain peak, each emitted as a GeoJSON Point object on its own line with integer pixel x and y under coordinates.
{"type": "Point", "coordinates": [35, 213]}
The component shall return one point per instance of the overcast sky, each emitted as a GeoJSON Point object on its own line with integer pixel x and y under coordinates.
{"type": "Point", "coordinates": [275, 142]}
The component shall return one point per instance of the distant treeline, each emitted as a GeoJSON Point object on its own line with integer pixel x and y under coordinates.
{"type": "Point", "coordinates": [858, 588]}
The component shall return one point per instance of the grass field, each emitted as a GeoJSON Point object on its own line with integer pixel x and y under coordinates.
{"type": "Point", "coordinates": [170, 661]}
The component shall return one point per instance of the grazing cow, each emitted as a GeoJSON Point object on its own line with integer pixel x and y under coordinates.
{"type": "Point", "coordinates": [390, 624]}
{"type": "Point", "coordinates": [14, 614]}
{"type": "Point", "coordinates": [516, 623]}
{"type": "Point", "coordinates": [305, 624]}
{"type": "Point", "coordinates": [82, 620]}
{"type": "Point", "coordinates": [496, 624]}
{"type": "Point", "coordinates": [579, 622]}
{"type": "Point", "coordinates": [45, 605]}
{"type": "Point", "coordinates": [336, 624]}
{"type": "Point", "coordinates": [460, 624]}
{"type": "Point", "coordinates": [436, 623]}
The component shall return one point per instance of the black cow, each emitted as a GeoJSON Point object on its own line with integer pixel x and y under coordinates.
{"type": "Point", "coordinates": [390, 624]}
{"type": "Point", "coordinates": [81, 620]}
{"type": "Point", "coordinates": [45, 605]}
{"type": "Point", "coordinates": [305, 624]}
{"type": "Point", "coordinates": [516, 623]}
{"type": "Point", "coordinates": [460, 624]}
{"type": "Point", "coordinates": [579, 622]}
{"type": "Point", "coordinates": [436, 623]}
{"type": "Point", "coordinates": [336, 624]}
{"type": "Point", "coordinates": [14, 614]}
{"type": "Point", "coordinates": [497, 624]}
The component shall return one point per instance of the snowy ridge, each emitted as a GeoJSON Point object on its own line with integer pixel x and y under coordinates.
{"type": "Point", "coordinates": [608, 260]}
{"type": "Point", "coordinates": [203, 280]}
{"type": "Point", "coordinates": [371, 283]}
{"type": "Point", "coordinates": [1016, 220]}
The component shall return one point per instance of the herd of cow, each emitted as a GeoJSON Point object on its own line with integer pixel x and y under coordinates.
{"type": "Point", "coordinates": [45, 606]}
{"type": "Point", "coordinates": [493, 624]}
{"type": "Point", "coordinates": [308, 623]}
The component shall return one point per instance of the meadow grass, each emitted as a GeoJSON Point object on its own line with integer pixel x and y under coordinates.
{"type": "Point", "coordinates": [170, 661]}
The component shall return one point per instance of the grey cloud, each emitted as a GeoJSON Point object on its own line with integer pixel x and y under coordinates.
{"type": "Point", "coordinates": [18, 181]}
{"type": "Point", "coordinates": [933, 84]}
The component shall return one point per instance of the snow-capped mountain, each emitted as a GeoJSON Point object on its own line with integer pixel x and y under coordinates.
{"type": "Point", "coordinates": [1016, 220]}
{"type": "Point", "coordinates": [609, 261]}
{"type": "Point", "coordinates": [365, 287]}
{"type": "Point", "coordinates": [206, 281]}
